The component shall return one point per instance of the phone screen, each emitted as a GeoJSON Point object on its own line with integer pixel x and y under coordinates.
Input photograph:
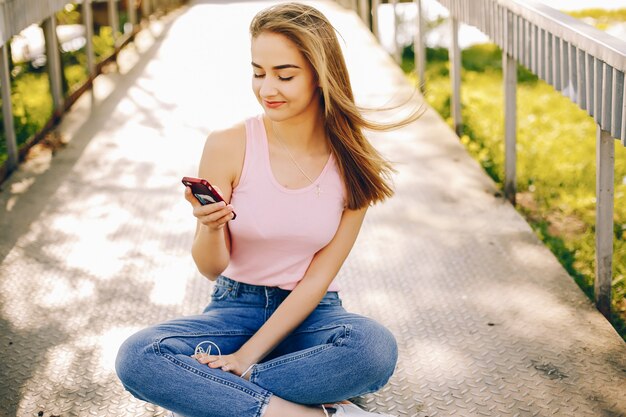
{"type": "Point", "coordinates": [204, 199]}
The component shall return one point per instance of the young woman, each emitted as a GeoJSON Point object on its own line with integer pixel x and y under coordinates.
{"type": "Point", "coordinates": [274, 340]}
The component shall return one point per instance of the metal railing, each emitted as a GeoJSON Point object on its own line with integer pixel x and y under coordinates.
{"type": "Point", "coordinates": [16, 15]}
{"type": "Point", "coordinates": [586, 64]}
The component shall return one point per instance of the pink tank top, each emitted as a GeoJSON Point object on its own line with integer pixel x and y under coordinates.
{"type": "Point", "coordinates": [278, 230]}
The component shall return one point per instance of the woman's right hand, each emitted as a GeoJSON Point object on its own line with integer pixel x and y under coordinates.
{"type": "Point", "coordinates": [214, 216]}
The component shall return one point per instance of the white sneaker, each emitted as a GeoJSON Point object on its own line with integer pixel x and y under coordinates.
{"type": "Point", "coordinates": [351, 410]}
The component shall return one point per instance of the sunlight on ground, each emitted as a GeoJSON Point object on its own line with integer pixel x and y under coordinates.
{"type": "Point", "coordinates": [377, 300]}
{"type": "Point", "coordinates": [61, 292]}
{"type": "Point", "coordinates": [64, 367]}
{"type": "Point", "coordinates": [106, 344]}
{"type": "Point", "coordinates": [436, 356]}
{"type": "Point", "coordinates": [169, 288]}
{"type": "Point", "coordinates": [169, 275]}
{"type": "Point", "coordinates": [18, 188]}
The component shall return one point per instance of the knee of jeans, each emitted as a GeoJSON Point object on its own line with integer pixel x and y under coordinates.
{"type": "Point", "coordinates": [382, 349]}
{"type": "Point", "coordinates": [131, 360]}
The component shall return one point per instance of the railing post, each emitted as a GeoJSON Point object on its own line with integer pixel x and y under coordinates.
{"type": "Point", "coordinates": [397, 53]}
{"type": "Point", "coordinates": [509, 68]}
{"type": "Point", "coordinates": [375, 4]}
{"type": "Point", "coordinates": [455, 74]}
{"type": "Point", "coordinates": [7, 110]}
{"type": "Point", "coordinates": [132, 13]}
{"type": "Point", "coordinates": [365, 13]}
{"type": "Point", "coordinates": [419, 47]}
{"type": "Point", "coordinates": [53, 56]}
{"type": "Point", "coordinates": [605, 167]}
{"type": "Point", "coordinates": [114, 20]}
{"type": "Point", "coordinates": [145, 9]}
{"type": "Point", "coordinates": [88, 22]}
{"type": "Point", "coordinates": [623, 118]}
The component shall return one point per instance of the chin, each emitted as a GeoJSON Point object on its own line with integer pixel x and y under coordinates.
{"type": "Point", "coordinates": [277, 115]}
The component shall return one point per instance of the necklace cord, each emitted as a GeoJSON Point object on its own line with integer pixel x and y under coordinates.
{"type": "Point", "coordinates": [290, 155]}
{"type": "Point", "coordinates": [294, 159]}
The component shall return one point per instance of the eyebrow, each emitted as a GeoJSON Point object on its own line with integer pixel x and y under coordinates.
{"type": "Point", "coordinates": [278, 67]}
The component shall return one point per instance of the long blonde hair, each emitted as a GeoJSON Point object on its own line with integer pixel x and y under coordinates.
{"type": "Point", "coordinates": [366, 174]}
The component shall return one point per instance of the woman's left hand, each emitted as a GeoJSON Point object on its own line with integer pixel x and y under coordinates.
{"type": "Point", "coordinates": [229, 363]}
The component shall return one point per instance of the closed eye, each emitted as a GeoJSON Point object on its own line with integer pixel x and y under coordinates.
{"type": "Point", "coordinates": [280, 78]}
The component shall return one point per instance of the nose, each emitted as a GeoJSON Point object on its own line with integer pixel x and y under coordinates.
{"type": "Point", "coordinates": [268, 88]}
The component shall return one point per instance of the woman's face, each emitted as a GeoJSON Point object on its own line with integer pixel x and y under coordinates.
{"type": "Point", "coordinates": [283, 80]}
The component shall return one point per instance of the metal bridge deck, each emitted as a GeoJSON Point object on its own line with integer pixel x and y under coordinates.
{"type": "Point", "coordinates": [96, 245]}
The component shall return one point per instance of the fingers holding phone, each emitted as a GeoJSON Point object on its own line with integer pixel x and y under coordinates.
{"type": "Point", "coordinates": [208, 205]}
{"type": "Point", "coordinates": [215, 216]}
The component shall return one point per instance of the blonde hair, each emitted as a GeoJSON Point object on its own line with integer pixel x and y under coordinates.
{"type": "Point", "coordinates": [366, 174]}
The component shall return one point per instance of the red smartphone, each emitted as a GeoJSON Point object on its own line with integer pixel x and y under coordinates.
{"type": "Point", "coordinates": [203, 191]}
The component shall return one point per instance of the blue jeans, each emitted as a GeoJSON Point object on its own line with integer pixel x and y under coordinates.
{"type": "Point", "coordinates": [332, 356]}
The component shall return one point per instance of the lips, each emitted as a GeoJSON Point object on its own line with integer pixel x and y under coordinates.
{"type": "Point", "coordinates": [273, 104]}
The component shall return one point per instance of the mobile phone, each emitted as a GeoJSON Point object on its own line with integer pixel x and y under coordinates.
{"type": "Point", "coordinates": [203, 191]}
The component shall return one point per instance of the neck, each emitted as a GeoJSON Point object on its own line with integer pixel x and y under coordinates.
{"type": "Point", "coordinates": [300, 134]}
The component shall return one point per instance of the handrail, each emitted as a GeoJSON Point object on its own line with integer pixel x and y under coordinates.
{"type": "Point", "coordinates": [575, 58]}
{"type": "Point", "coordinates": [598, 43]}
{"type": "Point", "coordinates": [560, 50]}
{"type": "Point", "coordinates": [17, 15]}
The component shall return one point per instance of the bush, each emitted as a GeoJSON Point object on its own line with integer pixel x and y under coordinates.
{"type": "Point", "coordinates": [103, 43]}
{"type": "Point", "coordinates": [32, 107]}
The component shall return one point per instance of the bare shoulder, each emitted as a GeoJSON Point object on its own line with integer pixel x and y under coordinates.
{"type": "Point", "coordinates": [222, 158]}
{"type": "Point", "coordinates": [227, 140]}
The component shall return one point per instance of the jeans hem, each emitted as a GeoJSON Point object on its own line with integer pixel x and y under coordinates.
{"type": "Point", "coordinates": [265, 402]}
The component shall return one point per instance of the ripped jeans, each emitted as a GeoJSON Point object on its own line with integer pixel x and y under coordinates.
{"type": "Point", "coordinates": [332, 356]}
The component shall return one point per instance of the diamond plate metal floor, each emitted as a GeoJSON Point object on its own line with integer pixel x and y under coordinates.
{"type": "Point", "coordinates": [96, 245]}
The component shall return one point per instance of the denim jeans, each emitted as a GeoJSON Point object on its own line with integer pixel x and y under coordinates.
{"type": "Point", "coordinates": [332, 356]}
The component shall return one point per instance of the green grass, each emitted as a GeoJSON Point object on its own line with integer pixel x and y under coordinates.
{"type": "Point", "coordinates": [601, 18]}
{"type": "Point", "coordinates": [555, 165]}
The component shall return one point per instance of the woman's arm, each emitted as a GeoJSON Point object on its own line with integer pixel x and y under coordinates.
{"type": "Point", "coordinates": [301, 302]}
{"type": "Point", "coordinates": [220, 164]}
